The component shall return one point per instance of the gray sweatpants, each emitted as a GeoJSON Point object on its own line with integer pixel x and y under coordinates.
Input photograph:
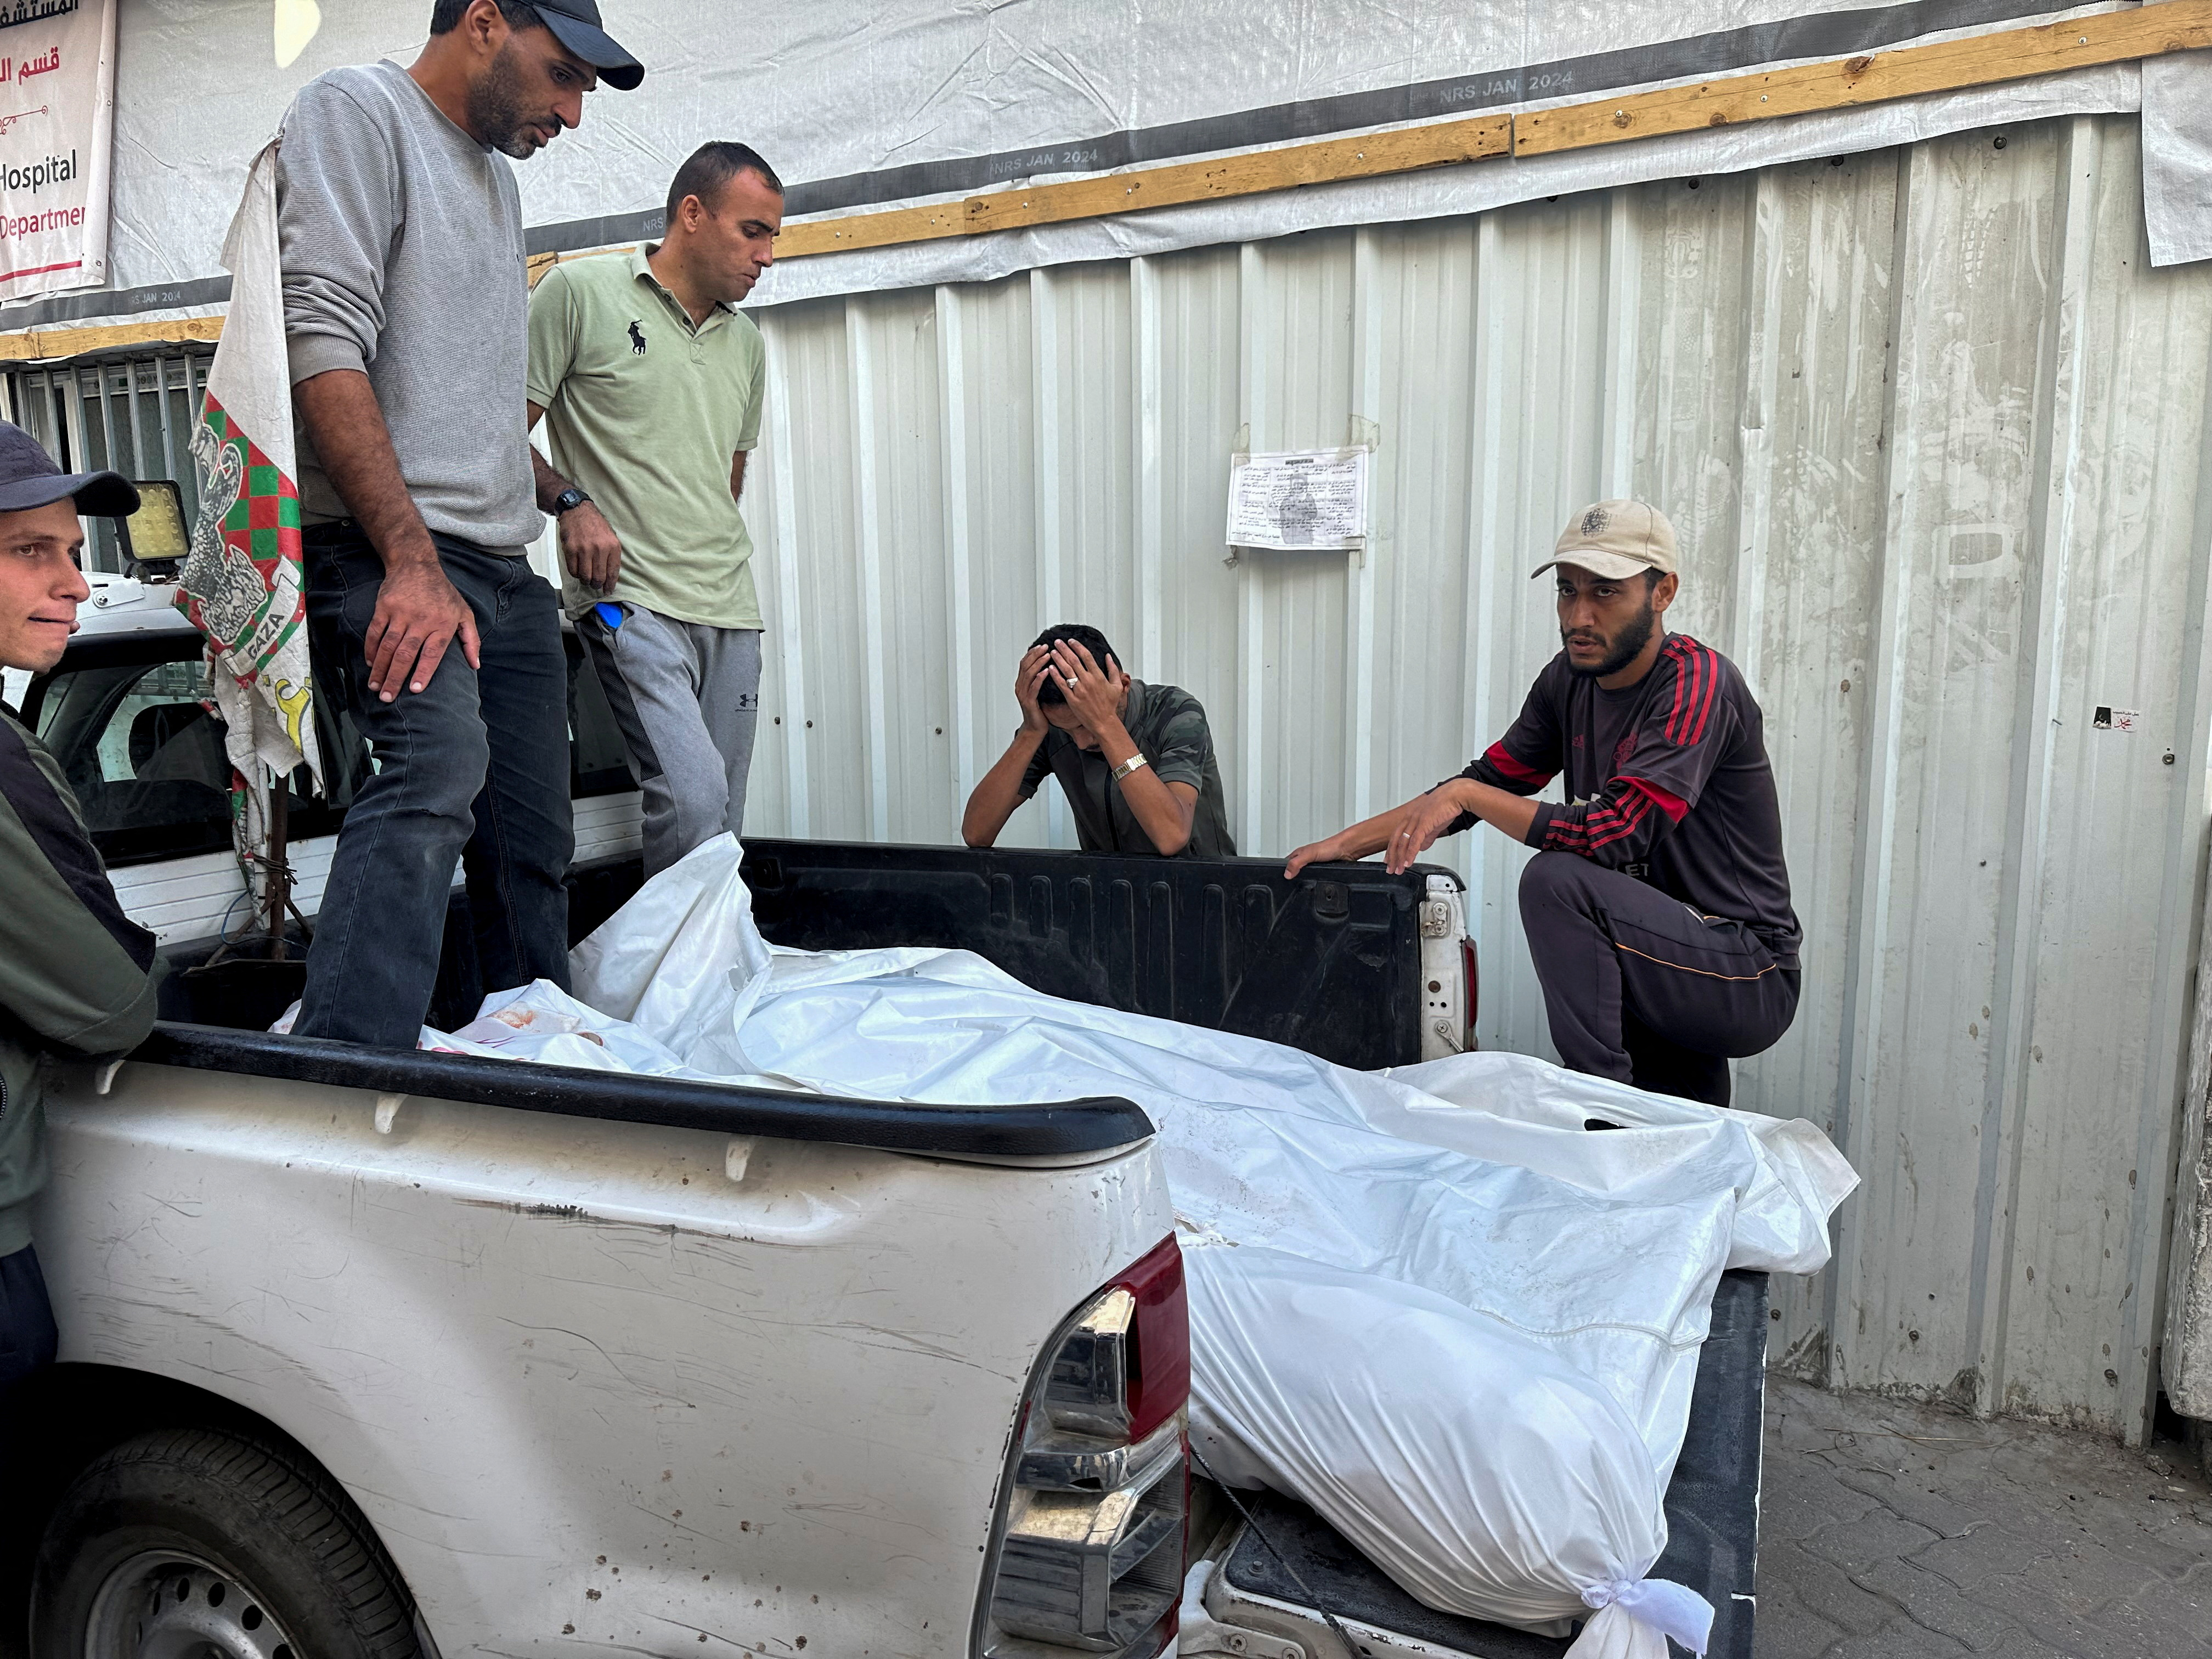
{"type": "Point", "coordinates": [686, 697]}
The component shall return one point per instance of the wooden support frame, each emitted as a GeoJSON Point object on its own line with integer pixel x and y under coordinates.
{"type": "Point", "coordinates": [1980, 60]}
{"type": "Point", "coordinates": [1944, 66]}
{"type": "Point", "coordinates": [35, 344]}
{"type": "Point", "coordinates": [1910, 71]}
{"type": "Point", "coordinates": [1252, 173]}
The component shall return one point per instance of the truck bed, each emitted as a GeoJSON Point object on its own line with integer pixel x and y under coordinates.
{"type": "Point", "coordinates": [1329, 963]}
{"type": "Point", "coordinates": [1712, 1523]}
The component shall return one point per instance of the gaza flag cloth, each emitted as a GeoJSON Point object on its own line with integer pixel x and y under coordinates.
{"type": "Point", "coordinates": [241, 583]}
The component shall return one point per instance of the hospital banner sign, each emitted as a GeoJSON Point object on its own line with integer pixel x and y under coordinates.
{"type": "Point", "coordinates": [57, 134]}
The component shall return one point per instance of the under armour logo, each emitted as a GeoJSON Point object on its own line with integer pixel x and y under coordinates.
{"type": "Point", "coordinates": [1593, 520]}
{"type": "Point", "coordinates": [637, 337]}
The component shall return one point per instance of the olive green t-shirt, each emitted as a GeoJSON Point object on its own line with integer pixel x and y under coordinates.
{"type": "Point", "coordinates": [646, 415]}
{"type": "Point", "coordinates": [1169, 724]}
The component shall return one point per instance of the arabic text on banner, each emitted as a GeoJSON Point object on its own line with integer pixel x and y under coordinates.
{"type": "Point", "coordinates": [57, 127]}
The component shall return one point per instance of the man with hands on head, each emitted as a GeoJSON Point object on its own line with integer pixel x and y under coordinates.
{"type": "Point", "coordinates": [1135, 761]}
{"type": "Point", "coordinates": [405, 314]}
{"type": "Point", "coordinates": [1657, 907]}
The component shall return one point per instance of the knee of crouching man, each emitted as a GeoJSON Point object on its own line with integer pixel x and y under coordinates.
{"type": "Point", "coordinates": [1550, 879]}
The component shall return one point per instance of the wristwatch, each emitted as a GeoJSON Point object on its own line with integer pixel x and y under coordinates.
{"type": "Point", "coordinates": [569, 500]}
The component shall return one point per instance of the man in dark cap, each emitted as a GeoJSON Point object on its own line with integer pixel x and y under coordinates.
{"type": "Point", "coordinates": [76, 974]}
{"type": "Point", "coordinates": [406, 319]}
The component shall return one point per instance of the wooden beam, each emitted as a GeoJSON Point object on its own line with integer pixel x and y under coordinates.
{"type": "Point", "coordinates": [535, 267]}
{"type": "Point", "coordinates": [38, 343]}
{"type": "Point", "coordinates": [1948, 66]}
{"type": "Point", "coordinates": [859, 230]}
{"type": "Point", "coordinates": [1251, 174]}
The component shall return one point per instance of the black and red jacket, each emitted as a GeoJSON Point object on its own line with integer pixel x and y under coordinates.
{"type": "Point", "coordinates": [1667, 780]}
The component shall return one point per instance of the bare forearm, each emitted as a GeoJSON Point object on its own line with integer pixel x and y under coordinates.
{"type": "Point", "coordinates": [994, 798]}
{"type": "Point", "coordinates": [1162, 818]}
{"type": "Point", "coordinates": [1161, 813]}
{"type": "Point", "coordinates": [346, 426]}
{"type": "Point", "coordinates": [1365, 839]}
{"type": "Point", "coordinates": [550, 483]}
{"type": "Point", "coordinates": [738, 475]}
{"type": "Point", "coordinates": [1496, 807]}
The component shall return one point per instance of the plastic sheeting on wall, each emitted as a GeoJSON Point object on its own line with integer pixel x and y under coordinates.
{"type": "Point", "coordinates": [873, 105]}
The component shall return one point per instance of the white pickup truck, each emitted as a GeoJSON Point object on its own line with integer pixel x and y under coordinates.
{"type": "Point", "coordinates": [373, 1353]}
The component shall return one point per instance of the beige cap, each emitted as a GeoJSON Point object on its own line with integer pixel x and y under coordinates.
{"type": "Point", "coordinates": [1616, 539]}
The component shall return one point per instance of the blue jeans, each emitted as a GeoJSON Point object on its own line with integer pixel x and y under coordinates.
{"type": "Point", "coordinates": [27, 1320]}
{"type": "Point", "coordinates": [474, 766]}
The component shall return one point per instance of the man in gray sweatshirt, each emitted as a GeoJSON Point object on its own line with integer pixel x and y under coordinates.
{"type": "Point", "coordinates": [406, 314]}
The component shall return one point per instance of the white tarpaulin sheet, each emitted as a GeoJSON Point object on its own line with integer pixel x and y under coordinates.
{"type": "Point", "coordinates": [2177, 137]}
{"type": "Point", "coordinates": [1430, 1303]}
{"type": "Point", "coordinates": [867, 106]}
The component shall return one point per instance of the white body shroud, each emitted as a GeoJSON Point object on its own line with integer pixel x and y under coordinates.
{"type": "Point", "coordinates": [1429, 1302]}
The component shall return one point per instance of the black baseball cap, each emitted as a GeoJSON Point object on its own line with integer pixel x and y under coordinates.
{"type": "Point", "coordinates": [29, 478]}
{"type": "Point", "coordinates": [575, 24]}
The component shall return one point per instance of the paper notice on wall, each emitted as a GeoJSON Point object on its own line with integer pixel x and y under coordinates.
{"type": "Point", "coordinates": [57, 127]}
{"type": "Point", "coordinates": [1306, 498]}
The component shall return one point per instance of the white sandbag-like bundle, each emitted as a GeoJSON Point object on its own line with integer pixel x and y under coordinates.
{"type": "Point", "coordinates": [1428, 1303]}
{"type": "Point", "coordinates": [1489, 1476]}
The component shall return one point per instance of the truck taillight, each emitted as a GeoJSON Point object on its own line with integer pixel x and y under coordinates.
{"type": "Point", "coordinates": [1089, 1554]}
{"type": "Point", "coordinates": [1472, 979]}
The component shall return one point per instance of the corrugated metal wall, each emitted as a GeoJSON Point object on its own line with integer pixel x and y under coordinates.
{"type": "Point", "coordinates": [1935, 439]}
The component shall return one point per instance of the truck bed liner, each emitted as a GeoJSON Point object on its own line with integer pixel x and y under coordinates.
{"type": "Point", "coordinates": [1329, 962]}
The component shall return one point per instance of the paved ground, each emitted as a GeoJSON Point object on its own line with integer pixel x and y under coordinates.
{"type": "Point", "coordinates": [1899, 1531]}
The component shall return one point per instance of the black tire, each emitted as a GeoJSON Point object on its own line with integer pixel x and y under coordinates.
{"type": "Point", "coordinates": [256, 1534]}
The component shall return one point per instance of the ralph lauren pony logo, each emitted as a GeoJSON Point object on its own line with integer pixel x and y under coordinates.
{"type": "Point", "coordinates": [637, 337]}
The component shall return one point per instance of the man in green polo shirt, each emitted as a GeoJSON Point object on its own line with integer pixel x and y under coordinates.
{"type": "Point", "coordinates": [650, 382]}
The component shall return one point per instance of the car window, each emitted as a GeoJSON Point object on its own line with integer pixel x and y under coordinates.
{"type": "Point", "coordinates": [134, 725]}
{"type": "Point", "coordinates": [142, 746]}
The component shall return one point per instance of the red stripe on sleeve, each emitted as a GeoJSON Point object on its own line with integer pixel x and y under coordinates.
{"type": "Point", "coordinates": [1499, 757]}
{"type": "Point", "coordinates": [1674, 807]}
{"type": "Point", "coordinates": [1712, 669]}
{"type": "Point", "coordinates": [1675, 714]}
{"type": "Point", "coordinates": [1638, 810]}
{"type": "Point", "coordinates": [1565, 835]}
{"type": "Point", "coordinates": [1689, 684]}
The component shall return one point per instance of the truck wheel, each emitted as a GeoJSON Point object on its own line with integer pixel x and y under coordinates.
{"type": "Point", "coordinates": [192, 1542]}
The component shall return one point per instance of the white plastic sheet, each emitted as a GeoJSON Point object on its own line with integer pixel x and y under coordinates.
{"type": "Point", "coordinates": [898, 101]}
{"type": "Point", "coordinates": [2177, 144]}
{"type": "Point", "coordinates": [1429, 1303]}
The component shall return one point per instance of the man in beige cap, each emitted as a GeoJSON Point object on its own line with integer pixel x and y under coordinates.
{"type": "Point", "coordinates": [1658, 906]}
